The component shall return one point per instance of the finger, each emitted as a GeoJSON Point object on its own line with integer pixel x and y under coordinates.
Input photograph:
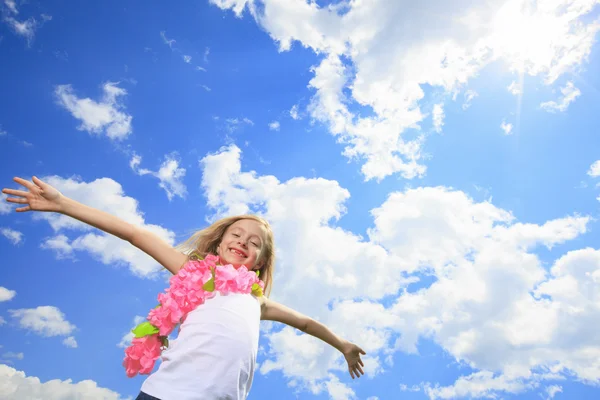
{"type": "Point", "coordinates": [351, 373]}
{"type": "Point", "coordinates": [360, 369]}
{"type": "Point", "coordinates": [15, 192]}
{"type": "Point", "coordinates": [23, 209]}
{"type": "Point", "coordinates": [17, 200]}
{"type": "Point", "coordinates": [38, 181]}
{"type": "Point", "coordinates": [361, 362]}
{"type": "Point", "coordinates": [362, 351]}
{"type": "Point", "coordinates": [27, 184]}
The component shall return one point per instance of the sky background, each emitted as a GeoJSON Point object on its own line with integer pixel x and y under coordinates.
{"type": "Point", "coordinates": [431, 172]}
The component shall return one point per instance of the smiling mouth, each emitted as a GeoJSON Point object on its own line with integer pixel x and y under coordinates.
{"type": "Point", "coordinates": [238, 253]}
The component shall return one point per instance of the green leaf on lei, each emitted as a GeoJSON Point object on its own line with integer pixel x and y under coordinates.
{"type": "Point", "coordinates": [144, 329]}
{"type": "Point", "coordinates": [209, 286]}
{"type": "Point", "coordinates": [257, 290]}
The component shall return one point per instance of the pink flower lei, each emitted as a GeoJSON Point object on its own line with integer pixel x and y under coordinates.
{"type": "Point", "coordinates": [195, 283]}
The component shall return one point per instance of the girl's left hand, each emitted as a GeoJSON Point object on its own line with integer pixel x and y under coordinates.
{"type": "Point", "coordinates": [352, 354]}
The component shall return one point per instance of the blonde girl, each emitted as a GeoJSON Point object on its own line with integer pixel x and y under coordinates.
{"type": "Point", "coordinates": [214, 355]}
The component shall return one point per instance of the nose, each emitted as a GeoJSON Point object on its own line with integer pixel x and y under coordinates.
{"type": "Point", "coordinates": [243, 242]}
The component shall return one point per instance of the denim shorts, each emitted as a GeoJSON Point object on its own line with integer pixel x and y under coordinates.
{"type": "Point", "coordinates": [145, 396]}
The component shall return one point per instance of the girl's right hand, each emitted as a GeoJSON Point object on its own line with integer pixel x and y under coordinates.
{"type": "Point", "coordinates": [39, 196]}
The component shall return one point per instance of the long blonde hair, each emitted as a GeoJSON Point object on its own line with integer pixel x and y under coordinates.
{"type": "Point", "coordinates": [207, 240]}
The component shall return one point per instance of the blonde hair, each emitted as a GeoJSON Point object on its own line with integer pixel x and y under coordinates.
{"type": "Point", "coordinates": [207, 240]}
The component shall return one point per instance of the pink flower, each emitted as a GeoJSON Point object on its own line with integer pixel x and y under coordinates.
{"type": "Point", "coordinates": [165, 316]}
{"type": "Point", "coordinates": [245, 279]}
{"type": "Point", "coordinates": [212, 260]}
{"type": "Point", "coordinates": [141, 355]}
{"type": "Point", "coordinates": [225, 279]}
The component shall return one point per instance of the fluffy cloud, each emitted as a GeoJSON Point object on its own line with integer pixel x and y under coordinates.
{"type": "Point", "coordinates": [438, 117]}
{"type": "Point", "coordinates": [594, 170]}
{"type": "Point", "coordinates": [5, 207]}
{"type": "Point", "coordinates": [469, 96]}
{"type": "Point", "coordinates": [106, 195]}
{"type": "Point", "coordinates": [6, 294]}
{"type": "Point", "coordinates": [25, 28]}
{"type": "Point", "coordinates": [294, 112]}
{"type": "Point", "coordinates": [170, 174]}
{"type": "Point", "coordinates": [70, 342]}
{"type": "Point", "coordinates": [46, 321]}
{"type": "Point", "coordinates": [569, 94]}
{"type": "Point", "coordinates": [506, 127]}
{"type": "Point", "coordinates": [16, 385]}
{"type": "Point", "coordinates": [274, 126]}
{"type": "Point", "coordinates": [13, 236]}
{"type": "Point", "coordinates": [515, 88]}
{"type": "Point", "coordinates": [492, 305]}
{"type": "Point", "coordinates": [373, 57]}
{"type": "Point", "coordinates": [106, 116]}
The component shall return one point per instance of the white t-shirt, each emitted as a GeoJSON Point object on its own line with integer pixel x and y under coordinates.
{"type": "Point", "coordinates": [214, 355]}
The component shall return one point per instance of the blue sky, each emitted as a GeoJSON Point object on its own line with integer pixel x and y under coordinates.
{"type": "Point", "coordinates": [431, 173]}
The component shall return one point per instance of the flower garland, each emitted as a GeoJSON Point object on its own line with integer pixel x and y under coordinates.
{"type": "Point", "coordinates": [197, 281]}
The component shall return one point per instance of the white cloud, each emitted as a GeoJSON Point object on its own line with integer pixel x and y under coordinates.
{"type": "Point", "coordinates": [16, 356]}
{"type": "Point", "coordinates": [274, 126]}
{"type": "Point", "coordinates": [187, 59]}
{"type": "Point", "coordinates": [16, 385]}
{"type": "Point", "coordinates": [70, 342]}
{"type": "Point", "coordinates": [233, 124]}
{"type": "Point", "coordinates": [168, 42]}
{"type": "Point", "coordinates": [294, 112]}
{"type": "Point", "coordinates": [2, 131]}
{"type": "Point", "coordinates": [469, 96]}
{"type": "Point", "coordinates": [6, 294]}
{"type": "Point", "coordinates": [2, 321]}
{"type": "Point", "coordinates": [106, 195]}
{"type": "Point", "coordinates": [106, 116]}
{"type": "Point", "coordinates": [479, 385]}
{"type": "Point", "coordinates": [492, 305]}
{"type": "Point", "coordinates": [438, 117]}
{"type": "Point", "coordinates": [170, 174]}
{"type": "Point", "coordinates": [373, 58]}
{"type": "Point", "coordinates": [594, 170]}
{"type": "Point", "coordinates": [127, 337]}
{"type": "Point", "coordinates": [46, 321]}
{"type": "Point", "coordinates": [12, 6]}
{"type": "Point", "coordinates": [569, 94]}
{"type": "Point", "coordinates": [23, 28]}
{"type": "Point", "coordinates": [506, 127]}
{"type": "Point", "coordinates": [5, 207]}
{"type": "Point", "coordinates": [515, 88]}
{"type": "Point", "coordinates": [552, 390]}
{"type": "Point", "coordinates": [13, 236]}
{"type": "Point", "coordinates": [60, 245]}
{"type": "Point", "coordinates": [206, 53]}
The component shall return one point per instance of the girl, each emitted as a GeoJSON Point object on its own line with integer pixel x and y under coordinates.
{"type": "Point", "coordinates": [215, 353]}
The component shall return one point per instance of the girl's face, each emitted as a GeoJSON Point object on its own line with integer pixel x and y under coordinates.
{"type": "Point", "coordinates": [242, 243]}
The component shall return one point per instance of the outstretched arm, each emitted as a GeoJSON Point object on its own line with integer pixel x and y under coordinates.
{"type": "Point", "coordinates": [273, 311]}
{"type": "Point", "coordinates": [41, 196]}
